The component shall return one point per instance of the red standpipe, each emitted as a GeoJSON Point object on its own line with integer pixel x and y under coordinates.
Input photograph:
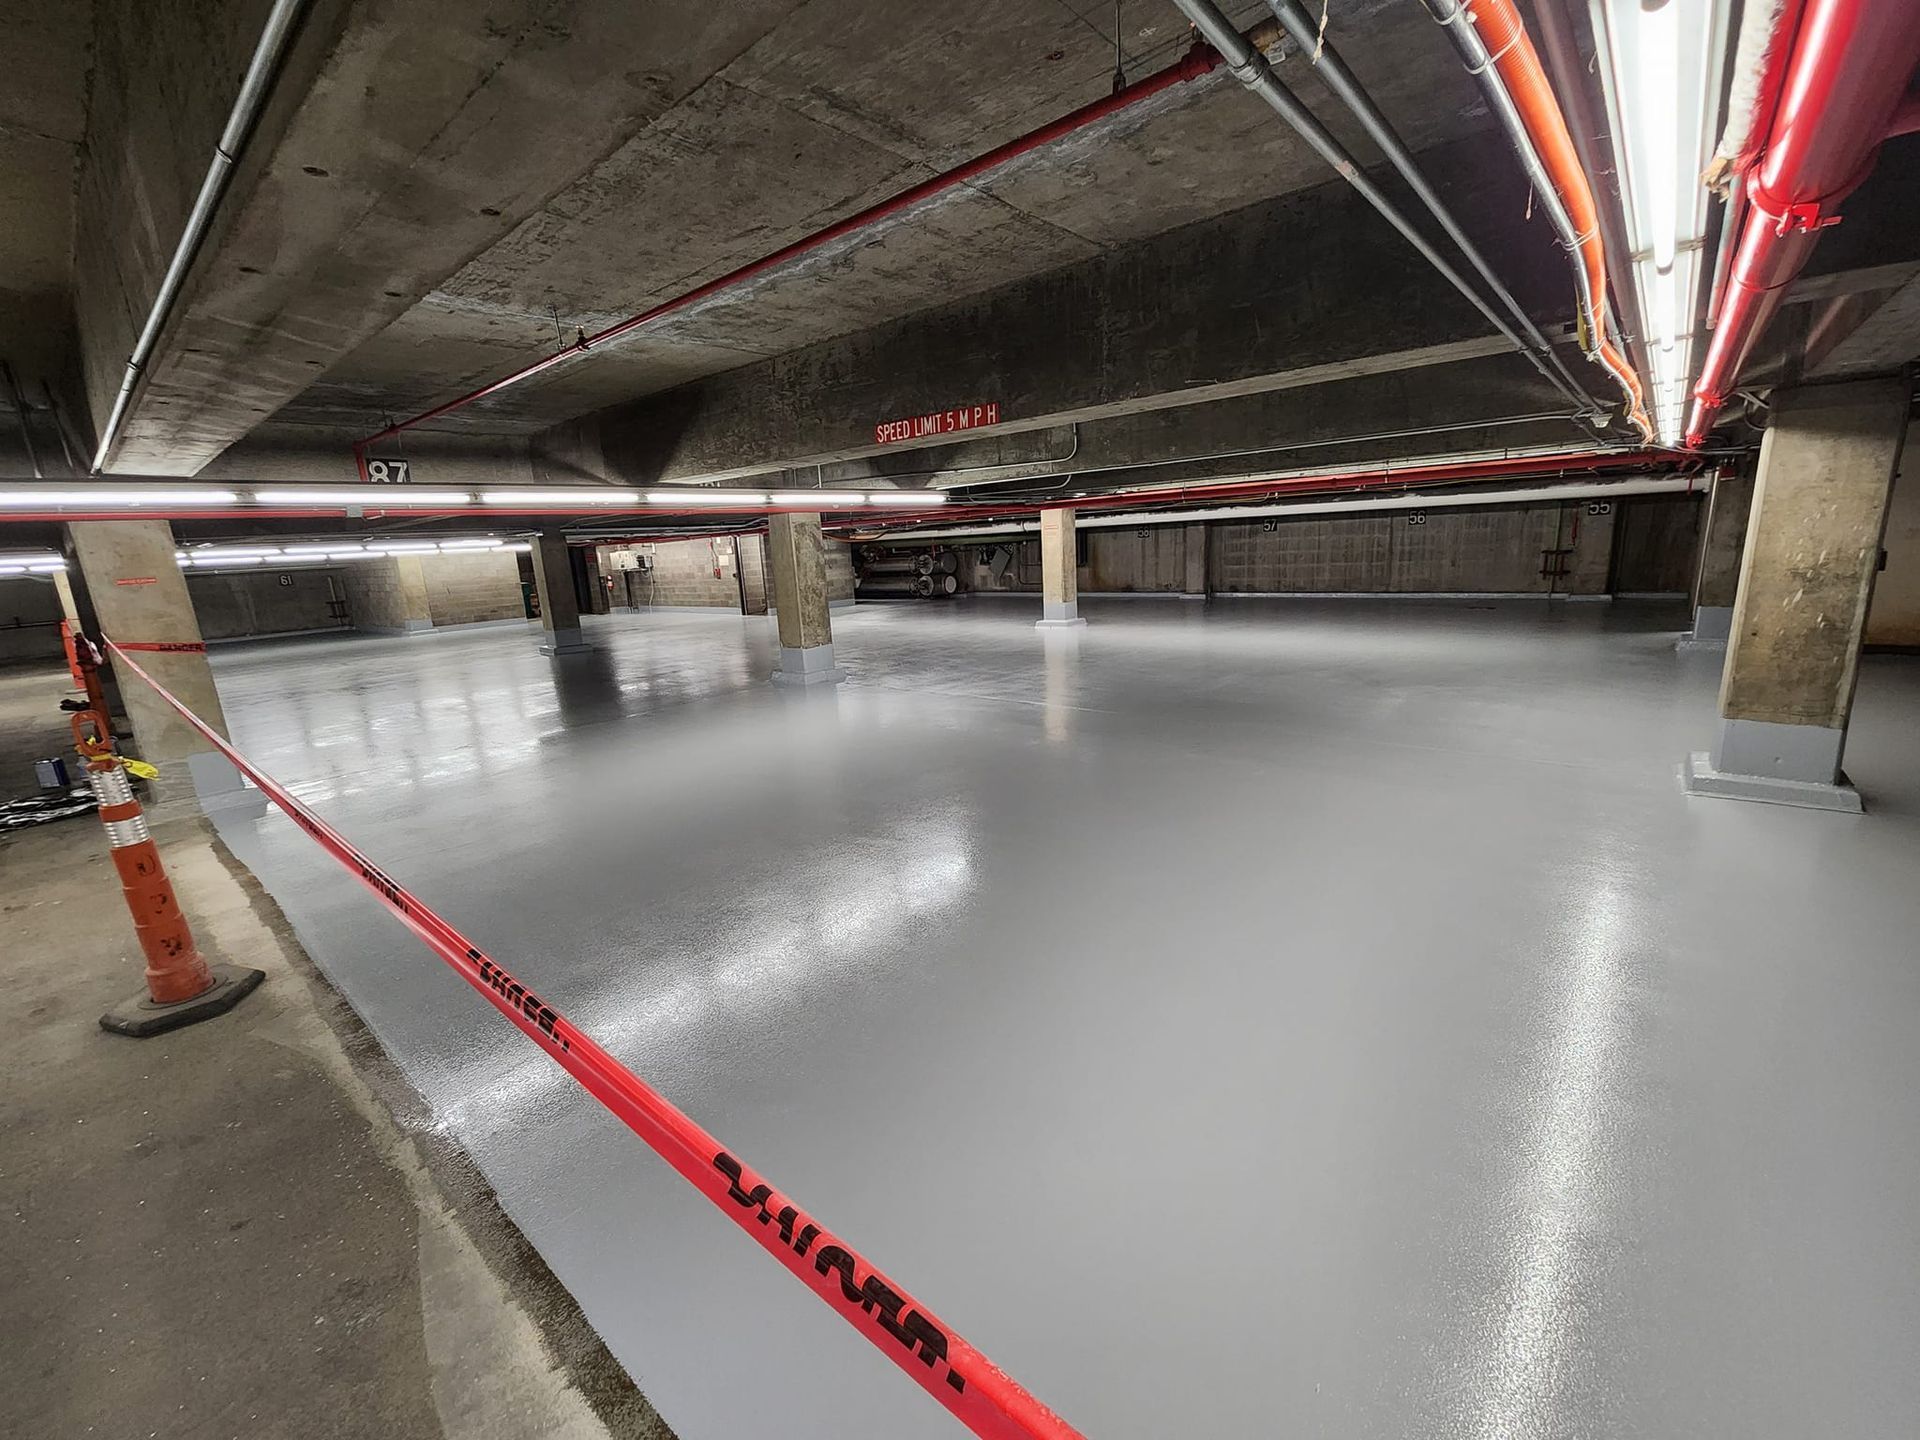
{"type": "Point", "coordinates": [1200, 60]}
{"type": "Point", "coordinates": [1845, 82]}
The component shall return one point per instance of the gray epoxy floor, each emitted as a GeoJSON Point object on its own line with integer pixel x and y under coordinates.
{"type": "Point", "coordinates": [1282, 1018]}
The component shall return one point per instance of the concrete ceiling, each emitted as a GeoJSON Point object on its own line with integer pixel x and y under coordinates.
{"type": "Point", "coordinates": [431, 202]}
{"type": "Point", "coordinates": [48, 64]}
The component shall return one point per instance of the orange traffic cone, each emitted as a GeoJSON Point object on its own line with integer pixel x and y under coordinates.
{"type": "Point", "coordinates": [181, 986]}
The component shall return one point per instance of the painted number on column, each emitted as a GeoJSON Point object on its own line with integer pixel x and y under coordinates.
{"type": "Point", "coordinates": [1417, 517]}
{"type": "Point", "coordinates": [286, 579]}
{"type": "Point", "coordinates": [389, 472]}
{"type": "Point", "coordinates": [1599, 507]}
{"type": "Point", "coordinates": [1270, 524]}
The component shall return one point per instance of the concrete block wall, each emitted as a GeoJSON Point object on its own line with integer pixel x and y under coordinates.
{"type": "Point", "coordinates": [1657, 543]}
{"type": "Point", "coordinates": [1482, 550]}
{"type": "Point", "coordinates": [471, 588]}
{"type": "Point", "coordinates": [376, 599]}
{"type": "Point", "coordinates": [29, 620]}
{"type": "Point", "coordinates": [683, 573]}
{"type": "Point", "coordinates": [1894, 616]}
{"type": "Point", "coordinates": [265, 602]}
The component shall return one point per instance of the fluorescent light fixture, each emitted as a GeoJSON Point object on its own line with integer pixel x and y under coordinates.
{"type": "Point", "coordinates": [1665, 60]}
{"type": "Point", "coordinates": [907, 497]}
{"type": "Point", "coordinates": [348, 555]}
{"type": "Point", "coordinates": [401, 547]}
{"type": "Point", "coordinates": [319, 549]}
{"type": "Point", "coordinates": [95, 497]}
{"type": "Point", "coordinates": [806, 499]}
{"type": "Point", "coordinates": [236, 552]}
{"type": "Point", "coordinates": [694, 495]}
{"type": "Point", "coordinates": [523, 548]}
{"type": "Point", "coordinates": [200, 560]}
{"type": "Point", "coordinates": [376, 497]}
{"type": "Point", "coordinates": [560, 499]}
{"type": "Point", "coordinates": [486, 544]}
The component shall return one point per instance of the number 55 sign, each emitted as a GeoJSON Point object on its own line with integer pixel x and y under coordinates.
{"type": "Point", "coordinates": [388, 472]}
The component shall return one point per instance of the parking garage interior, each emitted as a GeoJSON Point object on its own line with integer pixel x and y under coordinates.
{"type": "Point", "coordinates": [1209, 707]}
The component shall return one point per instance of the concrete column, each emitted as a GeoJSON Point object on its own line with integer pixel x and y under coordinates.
{"type": "Point", "coordinates": [410, 581]}
{"type": "Point", "coordinates": [797, 556]}
{"type": "Point", "coordinates": [140, 598]}
{"type": "Point", "coordinates": [1194, 552]}
{"type": "Point", "coordinates": [1059, 570]}
{"type": "Point", "coordinates": [1806, 580]}
{"type": "Point", "coordinates": [1716, 580]}
{"type": "Point", "coordinates": [559, 605]}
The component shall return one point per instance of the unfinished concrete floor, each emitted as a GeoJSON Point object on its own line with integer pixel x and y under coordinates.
{"type": "Point", "coordinates": [1271, 1018]}
{"type": "Point", "coordinates": [225, 1231]}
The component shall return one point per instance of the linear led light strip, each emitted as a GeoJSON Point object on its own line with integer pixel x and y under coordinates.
{"type": "Point", "coordinates": [397, 497]}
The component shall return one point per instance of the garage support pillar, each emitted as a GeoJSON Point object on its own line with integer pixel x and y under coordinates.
{"type": "Point", "coordinates": [1813, 544]}
{"type": "Point", "coordinates": [559, 604]}
{"type": "Point", "coordinates": [1716, 581]}
{"type": "Point", "coordinates": [797, 556]}
{"type": "Point", "coordinates": [139, 595]}
{"type": "Point", "coordinates": [1059, 569]}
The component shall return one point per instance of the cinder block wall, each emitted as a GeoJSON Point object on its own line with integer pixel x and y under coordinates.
{"type": "Point", "coordinates": [1894, 618]}
{"type": "Point", "coordinates": [1490, 550]}
{"type": "Point", "coordinates": [683, 573]}
{"type": "Point", "coordinates": [257, 602]}
{"type": "Point", "coordinates": [467, 589]}
{"type": "Point", "coordinates": [375, 600]}
{"type": "Point", "coordinates": [1657, 543]}
{"type": "Point", "coordinates": [29, 620]}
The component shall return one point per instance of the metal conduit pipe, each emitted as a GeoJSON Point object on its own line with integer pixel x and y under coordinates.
{"type": "Point", "coordinates": [1562, 184]}
{"type": "Point", "coordinates": [1250, 68]}
{"type": "Point", "coordinates": [247, 105]}
{"type": "Point", "coordinates": [1333, 72]}
{"type": "Point", "coordinates": [1569, 73]}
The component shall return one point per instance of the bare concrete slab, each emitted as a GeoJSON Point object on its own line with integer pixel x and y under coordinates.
{"type": "Point", "coordinates": [226, 1230]}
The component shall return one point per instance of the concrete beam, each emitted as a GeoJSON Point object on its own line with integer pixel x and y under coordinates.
{"type": "Point", "coordinates": [400, 141]}
{"type": "Point", "coordinates": [1301, 291]}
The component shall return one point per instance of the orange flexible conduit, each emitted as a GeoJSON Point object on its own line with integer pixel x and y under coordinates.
{"type": "Point", "coordinates": [1518, 66]}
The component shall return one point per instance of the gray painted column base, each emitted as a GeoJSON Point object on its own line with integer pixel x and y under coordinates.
{"type": "Point", "coordinates": [564, 642]}
{"type": "Point", "coordinates": [812, 666]}
{"type": "Point", "coordinates": [1057, 612]}
{"type": "Point", "coordinates": [1189, 595]}
{"type": "Point", "coordinates": [1712, 627]}
{"type": "Point", "coordinates": [1698, 777]}
{"type": "Point", "coordinates": [1779, 764]}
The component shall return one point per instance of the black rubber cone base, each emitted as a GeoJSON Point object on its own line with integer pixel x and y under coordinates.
{"type": "Point", "coordinates": [140, 1017]}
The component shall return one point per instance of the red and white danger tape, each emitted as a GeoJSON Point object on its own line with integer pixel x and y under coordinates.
{"type": "Point", "coordinates": [978, 1393]}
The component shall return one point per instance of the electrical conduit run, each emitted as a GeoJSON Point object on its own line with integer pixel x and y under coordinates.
{"type": "Point", "coordinates": [1494, 45]}
{"type": "Point", "coordinates": [1250, 68]}
{"type": "Point", "coordinates": [1845, 85]}
{"type": "Point", "coordinates": [1332, 70]}
{"type": "Point", "coordinates": [1199, 61]}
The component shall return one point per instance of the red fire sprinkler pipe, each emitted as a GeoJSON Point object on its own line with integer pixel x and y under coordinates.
{"type": "Point", "coordinates": [1200, 60]}
{"type": "Point", "coordinates": [1845, 81]}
